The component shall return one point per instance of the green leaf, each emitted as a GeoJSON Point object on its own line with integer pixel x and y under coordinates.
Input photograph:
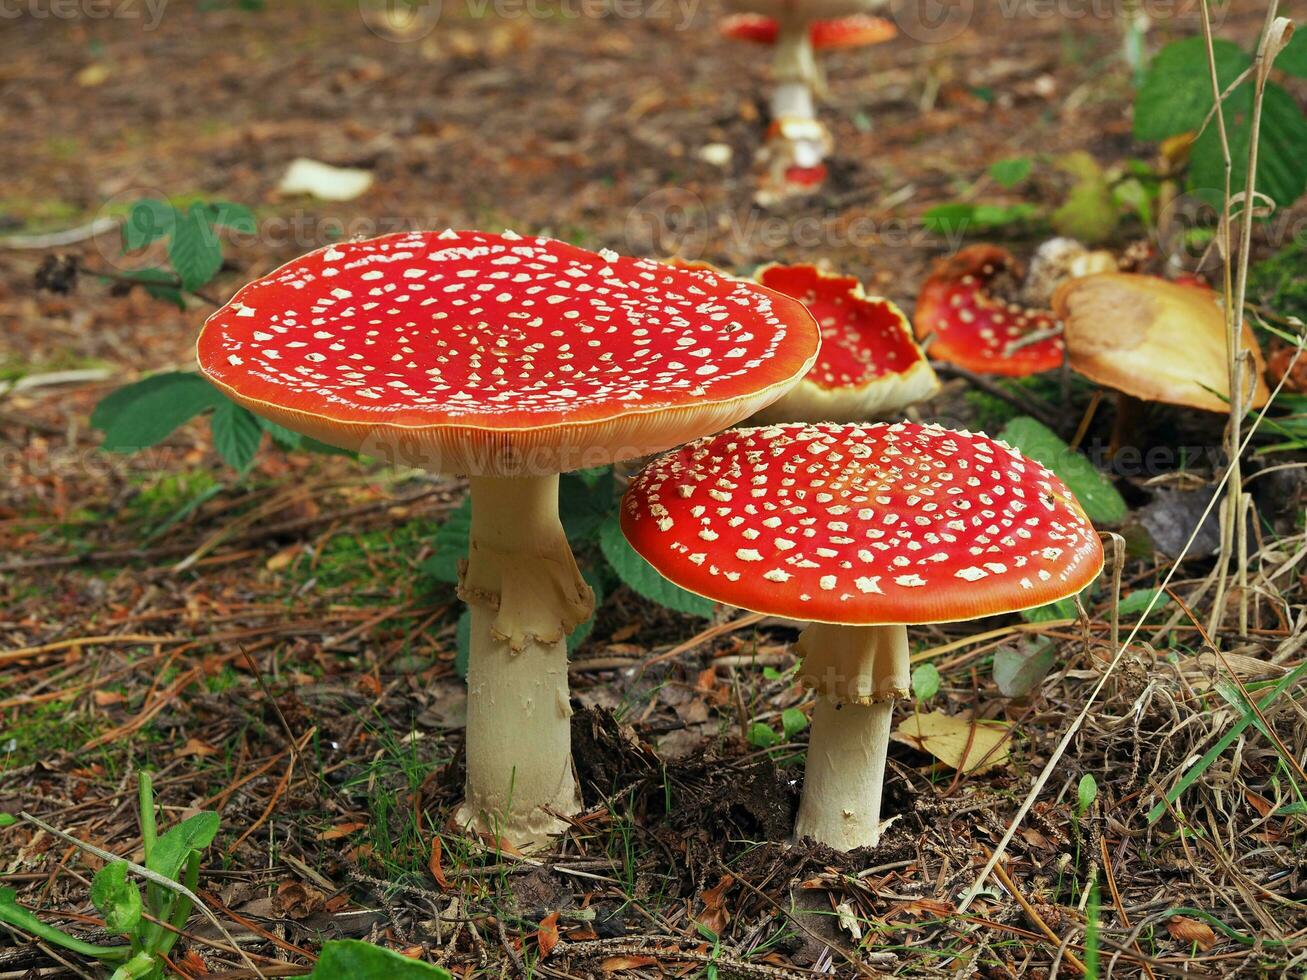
{"type": "Point", "coordinates": [1008, 173]}
{"type": "Point", "coordinates": [463, 639]}
{"type": "Point", "coordinates": [194, 249]}
{"type": "Point", "coordinates": [1019, 670]}
{"type": "Point", "coordinates": [236, 217]}
{"type": "Point", "coordinates": [148, 221]}
{"type": "Point", "coordinates": [585, 501]}
{"type": "Point", "coordinates": [1100, 500]}
{"type": "Point", "coordinates": [1293, 59]}
{"type": "Point", "coordinates": [578, 635]}
{"type": "Point", "coordinates": [236, 434]}
{"type": "Point", "coordinates": [793, 721]}
{"type": "Point", "coordinates": [173, 848]}
{"type": "Point", "coordinates": [1281, 173]}
{"type": "Point", "coordinates": [1061, 609]}
{"type": "Point", "coordinates": [642, 577]}
{"type": "Point", "coordinates": [955, 219]}
{"type": "Point", "coordinates": [762, 736]}
{"type": "Point", "coordinates": [287, 439]}
{"type": "Point", "coordinates": [1176, 94]}
{"type": "Point", "coordinates": [1291, 810]}
{"type": "Point", "coordinates": [18, 917]}
{"type": "Point", "coordinates": [925, 682]}
{"type": "Point", "coordinates": [117, 898]}
{"type": "Point", "coordinates": [140, 965]}
{"type": "Point", "coordinates": [450, 545]}
{"type": "Point", "coordinates": [1138, 600]}
{"type": "Point", "coordinates": [161, 284]}
{"type": "Point", "coordinates": [145, 413]}
{"type": "Point", "coordinates": [353, 959]}
{"type": "Point", "coordinates": [1089, 213]}
{"type": "Point", "coordinates": [1086, 792]}
{"type": "Point", "coordinates": [7, 820]}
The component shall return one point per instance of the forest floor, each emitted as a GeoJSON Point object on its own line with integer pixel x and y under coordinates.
{"type": "Point", "coordinates": [270, 648]}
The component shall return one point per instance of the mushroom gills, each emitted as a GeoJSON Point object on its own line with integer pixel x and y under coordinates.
{"type": "Point", "coordinates": [858, 673]}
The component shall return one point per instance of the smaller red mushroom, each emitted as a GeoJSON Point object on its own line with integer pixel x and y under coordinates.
{"type": "Point", "coordinates": [853, 31]}
{"type": "Point", "coordinates": [860, 531]}
{"type": "Point", "coordinates": [868, 364]}
{"type": "Point", "coordinates": [968, 324]}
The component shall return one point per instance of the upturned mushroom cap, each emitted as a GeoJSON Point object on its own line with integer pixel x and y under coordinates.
{"type": "Point", "coordinates": [861, 525]}
{"type": "Point", "coordinates": [975, 329]}
{"type": "Point", "coordinates": [499, 355]}
{"type": "Point", "coordinates": [868, 363]}
{"type": "Point", "coordinates": [1156, 340]}
{"type": "Point", "coordinates": [853, 31]}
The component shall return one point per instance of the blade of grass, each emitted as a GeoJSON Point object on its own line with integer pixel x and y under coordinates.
{"type": "Point", "coordinates": [1195, 772]}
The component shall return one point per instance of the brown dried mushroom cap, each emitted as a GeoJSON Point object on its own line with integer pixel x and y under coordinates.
{"type": "Point", "coordinates": [1153, 339]}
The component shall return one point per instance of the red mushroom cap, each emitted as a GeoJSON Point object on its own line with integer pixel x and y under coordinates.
{"type": "Point", "coordinates": [490, 354]}
{"type": "Point", "coordinates": [852, 31]}
{"type": "Point", "coordinates": [975, 329]}
{"type": "Point", "coordinates": [861, 525]}
{"type": "Point", "coordinates": [868, 361]}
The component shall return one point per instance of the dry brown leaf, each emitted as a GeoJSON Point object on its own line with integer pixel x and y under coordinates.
{"type": "Point", "coordinates": [1191, 931]}
{"type": "Point", "coordinates": [283, 558]}
{"type": "Point", "coordinates": [342, 830]}
{"type": "Point", "coordinates": [435, 866]}
{"type": "Point", "coordinates": [547, 934]}
{"type": "Point", "coordinates": [196, 747]}
{"type": "Point", "coordinates": [715, 915]}
{"type": "Point", "coordinates": [615, 964]}
{"type": "Point", "coordinates": [104, 699]}
{"type": "Point", "coordinates": [948, 737]}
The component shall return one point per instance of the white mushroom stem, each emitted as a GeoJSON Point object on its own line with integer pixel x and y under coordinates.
{"type": "Point", "coordinates": [793, 60]}
{"type": "Point", "coordinates": [526, 595]}
{"type": "Point", "coordinates": [858, 672]}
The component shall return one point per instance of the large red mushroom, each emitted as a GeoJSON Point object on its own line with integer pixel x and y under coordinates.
{"type": "Point", "coordinates": [511, 360]}
{"type": "Point", "coordinates": [859, 530]}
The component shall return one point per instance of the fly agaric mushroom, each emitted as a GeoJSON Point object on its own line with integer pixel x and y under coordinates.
{"type": "Point", "coordinates": [797, 143]}
{"type": "Point", "coordinates": [868, 363]}
{"type": "Point", "coordinates": [1154, 340]}
{"type": "Point", "coordinates": [859, 530]}
{"type": "Point", "coordinates": [974, 327]}
{"type": "Point", "coordinates": [511, 360]}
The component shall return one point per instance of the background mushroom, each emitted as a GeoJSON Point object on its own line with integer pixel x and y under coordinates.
{"type": "Point", "coordinates": [1154, 340]}
{"type": "Point", "coordinates": [511, 360]}
{"type": "Point", "coordinates": [868, 364]}
{"type": "Point", "coordinates": [797, 143]}
{"type": "Point", "coordinates": [859, 530]}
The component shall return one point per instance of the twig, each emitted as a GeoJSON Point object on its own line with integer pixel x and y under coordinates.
{"type": "Point", "coordinates": [1021, 402]}
{"type": "Point", "coordinates": [1034, 916]}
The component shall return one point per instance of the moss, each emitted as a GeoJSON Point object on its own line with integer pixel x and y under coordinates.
{"type": "Point", "coordinates": [1280, 282]}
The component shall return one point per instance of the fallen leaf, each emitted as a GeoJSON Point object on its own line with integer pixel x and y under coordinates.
{"type": "Point", "coordinates": [1191, 931]}
{"type": "Point", "coordinates": [342, 830]}
{"type": "Point", "coordinates": [92, 75]}
{"type": "Point", "coordinates": [104, 699]}
{"type": "Point", "coordinates": [547, 934]}
{"type": "Point", "coordinates": [616, 963]}
{"type": "Point", "coordinates": [323, 181]}
{"type": "Point", "coordinates": [295, 900]}
{"type": "Point", "coordinates": [283, 558]}
{"type": "Point", "coordinates": [435, 867]}
{"type": "Point", "coordinates": [194, 747]}
{"type": "Point", "coordinates": [946, 737]}
{"type": "Point", "coordinates": [715, 915]}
